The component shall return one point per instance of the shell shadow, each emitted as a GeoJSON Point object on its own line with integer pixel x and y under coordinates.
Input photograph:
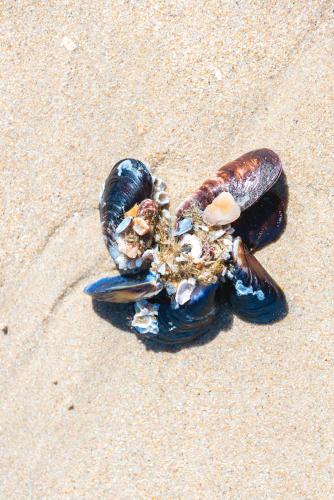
{"type": "Point", "coordinates": [120, 315]}
{"type": "Point", "coordinates": [281, 188]}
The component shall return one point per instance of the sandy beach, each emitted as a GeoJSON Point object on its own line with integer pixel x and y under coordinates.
{"type": "Point", "coordinates": [87, 410]}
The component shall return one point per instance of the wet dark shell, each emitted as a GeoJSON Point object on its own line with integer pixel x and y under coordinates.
{"type": "Point", "coordinates": [262, 223]}
{"type": "Point", "coordinates": [247, 178]}
{"type": "Point", "coordinates": [253, 294]}
{"type": "Point", "coordinates": [124, 289]}
{"type": "Point", "coordinates": [181, 324]}
{"type": "Point", "coordinates": [128, 183]}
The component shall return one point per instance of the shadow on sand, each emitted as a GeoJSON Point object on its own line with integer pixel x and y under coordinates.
{"type": "Point", "coordinates": [120, 316]}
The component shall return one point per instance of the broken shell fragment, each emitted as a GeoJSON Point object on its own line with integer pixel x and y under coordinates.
{"type": "Point", "coordinates": [159, 184]}
{"type": "Point", "coordinates": [145, 320]}
{"type": "Point", "coordinates": [170, 289]}
{"type": "Point", "coordinates": [161, 198]}
{"type": "Point", "coordinates": [162, 269]}
{"type": "Point", "coordinates": [194, 244]}
{"type": "Point", "coordinates": [122, 262]}
{"type": "Point", "coordinates": [131, 251]}
{"type": "Point", "coordinates": [203, 228]}
{"type": "Point", "coordinates": [223, 210]}
{"type": "Point", "coordinates": [122, 226]}
{"type": "Point", "coordinates": [166, 214]}
{"type": "Point", "coordinates": [140, 226]}
{"type": "Point", "coordinates": [215, 235]}
{"type": "Point", "coordinates": [181, 258]}
{"type": "Point", "coordinates": [183, 226]}
{"type": "Point", "coordinates": [185, 290]}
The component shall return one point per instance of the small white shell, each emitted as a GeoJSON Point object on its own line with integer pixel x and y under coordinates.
{"type": "Point", "coordinates": [162, 269]}
{"type": "Point", "coordinates": [166, 214]}
{"type": "Point", "coordinates": [185, 290]}
{"type": "Point", "coordinates": [194, 243]}
{"type": "Point", "coordinates": [204, 228]}
{"type": "Point", "coordinates": [122, 261]}
{"type": "Point", "coordinates": [145, 319]}
{"type": "Point", "coordinates": [180, 258]}
{"type": "Point", "coordinates": [122, 226]}
{"type": "Point", "coordinates": [223, 210]}
{"type": "Point", "coordinates": [159, 184]}
{"type": "Point", "coordinates": [140, 226]}
{"type": "Point", "coordinates": [149, 254]}
{"type": "Point", "coordinates": [183, 226]}
{"type": "Point", "coordinates": [161, 197]}
{"type": "Point", "coordinates": [172, 267]}
{"type": "Point", "coordinates": [215, 235]}
{"type": "Point", "coordinates": [129, 250]}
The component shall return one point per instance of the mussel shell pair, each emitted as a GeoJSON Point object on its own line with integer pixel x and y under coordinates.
{"type": "Point", "coordinates": [252, 293]}
{"type": "Point", "coordinates": [129, 183]}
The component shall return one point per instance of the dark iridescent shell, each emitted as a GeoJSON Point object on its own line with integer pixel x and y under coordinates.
{"type": "Point", "coordinates": [262, 223]}
{"type": "Point", "coordinates": [128, 183]}
{"type": "Point", "coordinates": [253, 294]}
{"type": "Point", "coordinates": [124, 289]}
{"type": "Point", "coordinates": [247, 178]}
{"type": "Point", "coordinates": [180, 324]}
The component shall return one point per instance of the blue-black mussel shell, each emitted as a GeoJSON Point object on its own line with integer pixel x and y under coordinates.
{"type": "Point", "coordinates": [128, 183]}
{"type": "Point", "coordinates": [252, 292]}
{"type": "Point", "coordinates": [182, 324]}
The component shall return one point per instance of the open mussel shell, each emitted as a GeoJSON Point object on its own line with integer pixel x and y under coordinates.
{"type": "Point", "coordinates": [253, 294]}
{"type": "Point", "coordinates": [182, 324]}
{"type": "Point", "coordinates": [262, 223]}
{"type": "Point", "coordinates": [124, 289]}
{"type": "Point", "coordinates": [128, 183]}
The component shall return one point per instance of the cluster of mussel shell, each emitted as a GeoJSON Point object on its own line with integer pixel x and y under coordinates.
{"type": "Point", "coordinates": [174, 268]}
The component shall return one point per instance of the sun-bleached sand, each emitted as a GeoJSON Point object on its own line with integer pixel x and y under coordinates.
{"type": "Point", "coordinates": [87, 411]}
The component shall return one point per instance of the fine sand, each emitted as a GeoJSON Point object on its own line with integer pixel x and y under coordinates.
{"type": "Point", "coordinates": [87, 411]}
